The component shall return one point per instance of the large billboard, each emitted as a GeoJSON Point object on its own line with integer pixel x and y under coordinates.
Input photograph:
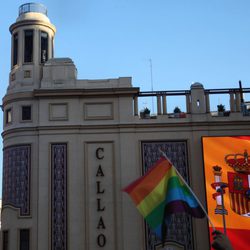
{"type": "Point", "coordinates": [227, 170]}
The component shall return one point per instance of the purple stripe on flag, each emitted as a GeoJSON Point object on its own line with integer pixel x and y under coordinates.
{"type": "Point", "coordinates": [179, 206]}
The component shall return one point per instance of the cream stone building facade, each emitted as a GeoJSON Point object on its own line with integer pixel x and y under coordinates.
{"type": "Point", "coordinates": [71, 145]}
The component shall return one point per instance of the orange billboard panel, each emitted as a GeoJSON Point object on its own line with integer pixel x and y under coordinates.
{"type": "Point", "coordinates": [227, 166]}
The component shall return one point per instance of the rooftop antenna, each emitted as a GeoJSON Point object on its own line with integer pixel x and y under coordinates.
{"type": "Point", "coordinates": [242, 105]}
{"type": "Point", "coordinates": [241, 93]}
{"type": "Point", "coordinates": [152, 83]}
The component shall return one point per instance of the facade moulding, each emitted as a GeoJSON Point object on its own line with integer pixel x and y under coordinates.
{"type": "Point", "coordinates": [62, 93]}
{"type": "Point", "coordinates": [16, 209]}
{"type": "Point", "coordinates": [86, 92]}
{"type": "Point", "coordinates": [31, 22]}
{"type": "Point", "coordinates": [171, 127]}
{"type": "Point", "coordinates": [18, 97]}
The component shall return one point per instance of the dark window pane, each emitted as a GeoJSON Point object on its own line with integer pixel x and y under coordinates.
{"type": "Point", "coordinates": [26, 113]}
{"type": "Point", "coordinates": [24, 239]}
{"type": "Point", "coordinates": [28, 45]}
{"type": "Point", "coordinates": [44, 47]}
{"type": "Point", "coordinates": [52, 44]}
{"type": "Point", "coordinates": [15, 49]}
{"type": "Point", "coordinates": [5, 240]}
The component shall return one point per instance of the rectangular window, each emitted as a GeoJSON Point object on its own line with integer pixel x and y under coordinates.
{"type": "Point", "coordinates": [52, 45]}
{"type": "Point", "coordinates": [5, 240]}
{"type": "Point", "coordinates": [27, 74]}
{"type": "Point", "coordinates": [44, 47]}
{"type": "Point", "coordinates": [15, 49]}
{"type": "Point", "coordinates": [26, 113]}
{"type": "Point", "coordinates": [24, 239]}
{"type": "Point", "coordinates": [8, 116]}
{"type": "Point", "coordinates": [28, 46]}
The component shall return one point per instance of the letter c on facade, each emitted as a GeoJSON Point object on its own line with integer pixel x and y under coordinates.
{"type": "Point", "coordinates": [99, 154]}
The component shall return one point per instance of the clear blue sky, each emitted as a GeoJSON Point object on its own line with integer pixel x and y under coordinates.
{"type": "Point", "coordinates": [188, 40]}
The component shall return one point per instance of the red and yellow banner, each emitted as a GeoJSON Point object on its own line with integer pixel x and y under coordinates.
{"type": "Point", "coordinates": [227, 163]}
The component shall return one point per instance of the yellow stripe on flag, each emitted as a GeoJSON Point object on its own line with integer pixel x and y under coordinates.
{"type": "Point", "coordinates": [156, 196]}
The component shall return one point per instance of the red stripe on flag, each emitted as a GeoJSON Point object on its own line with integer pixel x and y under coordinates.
{"type": "Point", "coordinates": [242, 137]}
{"type": "Point", "coordinates": [237, 203]}
{"type": "Point", "coordinates": [242, 204]}
{"type": "Point", "coordinates": [233, 201]}
{"type": "Point", "coordinates": [153, 172]}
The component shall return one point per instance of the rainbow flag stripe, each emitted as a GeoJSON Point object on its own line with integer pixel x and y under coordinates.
{"type": "Point", "coordinates": [161, 191]}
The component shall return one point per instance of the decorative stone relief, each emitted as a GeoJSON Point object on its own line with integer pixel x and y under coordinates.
{"type": "Point", "coordinates": [58, 111]}
{"type": "Point", "coordinates": [59, 196]}
{"type": "Point", "coordinates": [16, 178]}
{"type": "Point", "coordinates": [99, 111]}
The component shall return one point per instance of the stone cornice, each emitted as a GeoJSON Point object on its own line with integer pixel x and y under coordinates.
{"type": "Point", "coordinates": [9, 98]}
{"type": "Point", "coordinates": [135, 127]}
{"type": "Point", "coordinates": [69, 93]}
{"type": "Point", "coordinates": [31, 22]}
{"type": "Point", "coordinates": [86, 92]}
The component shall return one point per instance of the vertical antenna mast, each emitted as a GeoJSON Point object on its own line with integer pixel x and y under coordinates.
{"type": "Point", "coordinates": [152, 84]}
{"type": "Point", "coordinates": [241, 93]}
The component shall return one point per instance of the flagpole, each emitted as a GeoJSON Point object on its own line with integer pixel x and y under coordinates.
{"type": "Point", "coordinates": [189, 190]}
{"type": "Point", "coordinates": [223, 209]}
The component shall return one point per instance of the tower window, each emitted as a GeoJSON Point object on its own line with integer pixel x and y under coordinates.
{"type": "Point", "coordinates": [15, 49]}
{"type": "Point", "coordinates": [52, 45]}
{"type": "Point", "coordinates": [5, 240]}
{"type": "Point", "coordinates": [44, 47]}
{"type": "Point", "coordinates": [26, 113]}
{"type": "Point", "coordinates": [24, 239]}
{"type": "Point", "coordinates": [28, 46]}
{"type": "Point", "coordinates": [8, 116]}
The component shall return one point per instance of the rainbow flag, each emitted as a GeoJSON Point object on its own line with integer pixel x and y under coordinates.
{"type": "Point", "coordinates": [161, 192]}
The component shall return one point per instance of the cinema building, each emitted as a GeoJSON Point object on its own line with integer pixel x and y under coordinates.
{"type": "Point", "coordinates": [71, 145]}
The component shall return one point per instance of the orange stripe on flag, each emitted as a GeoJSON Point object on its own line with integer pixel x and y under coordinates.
{"type": "Point", "coordinates": [142, 187]}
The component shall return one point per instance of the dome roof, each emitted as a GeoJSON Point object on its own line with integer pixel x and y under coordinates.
{"type": "Point", "coordinates": [197, 85]}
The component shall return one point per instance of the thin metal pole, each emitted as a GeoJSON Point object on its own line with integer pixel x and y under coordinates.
{"type": "Point", "coordinates": [241, 93]}
{"type": "Point", "coordinates": [223, 209]}
{"type": "Point", "coordinates": [191, 191]}
{"type": "Point", "coordinates": [152, 83]}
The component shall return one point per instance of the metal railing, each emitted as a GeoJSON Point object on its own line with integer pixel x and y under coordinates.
{"type": "Point", "coordinates": [236, 102]}
{"type": "Point", "coordinates": [184, 92]}
{"type": "Point", "coordinates": [32, 7]}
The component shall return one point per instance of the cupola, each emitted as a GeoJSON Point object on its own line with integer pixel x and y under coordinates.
{"type": "Point", "coordinates": [32, 45]}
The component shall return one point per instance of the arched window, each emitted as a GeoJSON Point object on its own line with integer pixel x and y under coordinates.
{"type": "Point", "coordinates": [28, 46]}
{"type": "Point", "coordinates": [44, 47]}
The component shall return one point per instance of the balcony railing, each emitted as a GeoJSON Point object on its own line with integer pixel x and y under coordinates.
{"type": "Point", "coordinates": [32, 7]}
{"type": "Point", "coordinates": [197, 101]}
